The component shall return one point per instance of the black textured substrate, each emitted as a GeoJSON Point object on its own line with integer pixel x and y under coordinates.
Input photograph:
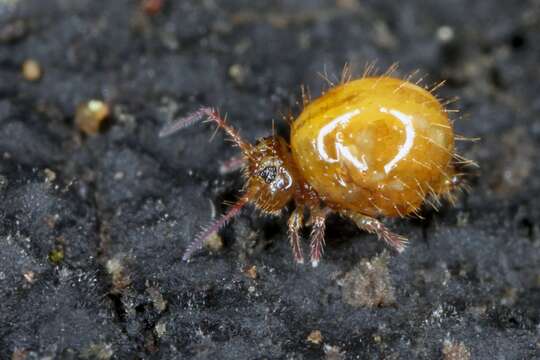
{"type": "Point", "coordinates": [121, 206]}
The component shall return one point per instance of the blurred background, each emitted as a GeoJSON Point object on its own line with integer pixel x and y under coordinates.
{"type": "Point", "coordinates": [96, 210]}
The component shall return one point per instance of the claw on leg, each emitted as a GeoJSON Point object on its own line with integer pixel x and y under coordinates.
{"type": "Point", "coordinates": [295, 224]}
{"type": "Point", "coordinates": [374, 226]}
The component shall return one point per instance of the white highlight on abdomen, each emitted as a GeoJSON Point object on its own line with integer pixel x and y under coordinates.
{"type": "Point", "coordinates": [410, 134]}
{"type": "Point", "coordinates": [340, 148]}
{"type": "Point", "coordinates": [361, 164]}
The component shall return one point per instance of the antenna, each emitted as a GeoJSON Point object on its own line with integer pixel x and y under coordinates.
{"type": "Point", "coordinates": [211, 115]}
{"type": "Point", "coordinates": [214, 227]}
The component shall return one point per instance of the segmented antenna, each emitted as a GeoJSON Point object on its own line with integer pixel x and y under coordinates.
{"type": "Point", "coordinates": [212, 115]}
{"type": "Point", "coordinates": [181, 123]}
{"type": "Point", "coordinates": [213, 228]}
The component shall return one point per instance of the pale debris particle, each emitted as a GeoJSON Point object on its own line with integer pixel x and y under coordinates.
{"type": "Point", "coordinates": [29, 276]}
{"type": "Point", "coordinates": [122, 114]}
{"type": "Point", "coordinates": [369, 284]}
{"type": "Point", "coordinates": [98, 351]}
{"type": "Point", "coordinates": [160, 328]}
{"type": "Point", "coordinates": [120, 278]}
{"type": "Point", "coordinates": [333, 353]}
{"type": "Point", "coordinates": [462, 219]}
{"type": "Point", "coordinates": [31, 70]}
{"type": "Point", "coordinates": [90, 115]}
{"type": "Point", "coordinates": [214, 243]}
{"type": "Point", "coordinates": [238, 73]}
{"type": "Point", "coordinates": [19, 354]}
{"type": "Point", "coordinates": [251, 272]}
{"type": "Point", "coordinates": [315, 337]}
{"type": "Point", "coordinates": [119, 175]}
{"type": "Point", "coordinates": [160, 304]}
{"type": "Point", "coordinates": [445, 34]}
{"type": "Point", "coordinates": [455, 351]}
{"type": "Point", "coordinates": [50, 175]}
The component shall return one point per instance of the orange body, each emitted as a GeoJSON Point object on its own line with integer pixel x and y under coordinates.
{"type": "Point", "coordinates": [368, 148]}
{"type": "Point", "coordinates": [376, 146]}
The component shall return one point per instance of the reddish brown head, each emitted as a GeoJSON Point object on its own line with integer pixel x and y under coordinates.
{"type": "Point", "coordinates": [270, 174]}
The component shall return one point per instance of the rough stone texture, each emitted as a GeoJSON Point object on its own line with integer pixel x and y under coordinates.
{"type": "Point", "coordinates": [369, 284]}
{"type": "Point", "coordinates": [471, 273]}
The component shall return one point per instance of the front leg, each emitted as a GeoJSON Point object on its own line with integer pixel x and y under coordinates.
{"type": "Point", "coordinates": [318, 219]}
{"type": "Point", "coordinates": [295, 225]}
{"type": "Point", "coordinates": [374, 226]}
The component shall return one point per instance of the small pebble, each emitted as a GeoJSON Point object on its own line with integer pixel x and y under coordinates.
{"type": "Point", "coordinates": [119, 273]}
{"type": "Point", "coordinates": [31, 70]}
{"type": "Point", "coordinates": [315, 337]}
{"type": "Point", "coordinates": [445, 34]}
{"type": "Point", "coordinates": [49, 175]}
{"type": "Point", "coordinates": [214, 243]}
{"type": "Point", "coordinates": [251, 272]}
{"type": "Point", "coordinates": [30, 276]}
{"type": "Point", "coordinates": [90, 115]}
{"type": "Point", "coordinates": [369, 284]}
{"type": "Point", "coordinates": [161, 328]}
{"type": "Point", "coordinates": [238, 73]}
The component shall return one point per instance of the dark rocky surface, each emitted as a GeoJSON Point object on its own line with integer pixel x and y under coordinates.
{"type": "Point", "coordinates": [92, 228]}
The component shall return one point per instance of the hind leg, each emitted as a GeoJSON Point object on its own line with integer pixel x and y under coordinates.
{"type": "Point", "coordinates": [374, 226]}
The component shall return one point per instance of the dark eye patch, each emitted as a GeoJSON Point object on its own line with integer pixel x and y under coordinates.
{"type": "Point", "coordinates": [268, 174]}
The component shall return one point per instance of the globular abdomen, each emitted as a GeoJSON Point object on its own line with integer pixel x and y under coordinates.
{"type": "Point", "coordinates": [377, 146]}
